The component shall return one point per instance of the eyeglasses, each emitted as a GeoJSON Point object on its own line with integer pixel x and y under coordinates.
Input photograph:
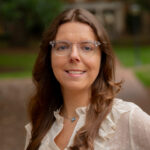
{"type": "Point", "coordinates": [63, 48]}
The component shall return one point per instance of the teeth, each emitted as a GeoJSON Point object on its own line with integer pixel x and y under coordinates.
{"type": "Point", "coordinates": [75, 72]}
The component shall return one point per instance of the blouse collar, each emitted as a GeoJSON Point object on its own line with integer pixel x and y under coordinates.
{"type": "Point", "coordinates": [108, 126]}
{"type": "Point", "coordinates": [80, 112]}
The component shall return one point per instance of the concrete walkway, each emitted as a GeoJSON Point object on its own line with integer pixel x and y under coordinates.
{"type": "Point", "coordinates": [132, 89]}
{"type": "Point", "coordinates": [14, 95]}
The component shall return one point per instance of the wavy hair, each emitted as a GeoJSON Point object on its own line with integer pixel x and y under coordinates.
{"type": "Point", "coordinates": [48, 96]}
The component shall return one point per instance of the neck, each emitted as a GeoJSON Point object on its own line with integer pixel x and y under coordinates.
{"type": "Point", "coordinates": [75, 99]}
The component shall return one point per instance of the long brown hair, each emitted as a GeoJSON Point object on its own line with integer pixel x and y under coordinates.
{"type": "Point", "coordinates": [48, 97]}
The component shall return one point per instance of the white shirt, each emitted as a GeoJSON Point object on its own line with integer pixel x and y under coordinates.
{"type": "Point", "coordinates": [126, 127]}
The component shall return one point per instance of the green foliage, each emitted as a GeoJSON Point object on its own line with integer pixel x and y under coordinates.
{"type": "Point", "coordinates": [127, 57]}
{"type": "Point", "coordinates": [28, 16]}
{"type": "Point", "coordinates": [16, 65]}
{"type": "Point", "coordinates": [17, 60]}
{"type": "Point", "coordinates": [24, 74]}
{"type": "Point", "coordinates": [144, 76]}
{"type": "Point", "coordinates": [47, 10]}
{"type": "Point", "coordinates": [44, 10]}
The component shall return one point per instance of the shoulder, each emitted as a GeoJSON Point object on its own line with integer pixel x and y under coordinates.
{"type": "Point", "coordinates": [139, 128]}
{"type": "Point", "coordinates": [123, 106]}
{"type": "Point", "coordinates": [120, 108]}
{"type": "Point", "coordinates": [134, 112]}
{"type": "Point", "coordinates": [137, 121]}
{"type": "Point", "coordinates": [122, 112]}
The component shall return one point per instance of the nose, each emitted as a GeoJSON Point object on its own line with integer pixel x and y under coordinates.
{"type": "Point", "coordinates": [74, 54]}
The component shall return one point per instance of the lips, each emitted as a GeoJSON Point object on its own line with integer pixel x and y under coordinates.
{"type": "Point", "coordinates": [75, 72]}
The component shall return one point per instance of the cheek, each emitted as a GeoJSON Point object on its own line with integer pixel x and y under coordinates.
{"type": "Point", "coordinates": [94, 65]}
{"type": "Point", "coordinates": [57, 66]}
{"type": "Point", "coordinates": [96, 69]}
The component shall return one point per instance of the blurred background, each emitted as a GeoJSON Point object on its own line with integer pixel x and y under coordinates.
{"type": "Point", "coordinates": [22, 23]}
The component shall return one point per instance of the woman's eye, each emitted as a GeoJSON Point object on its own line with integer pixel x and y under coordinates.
{"type": "Point", "coordinates": [61, 47]}
{"type": "Point", "coordinates": [87, 48]}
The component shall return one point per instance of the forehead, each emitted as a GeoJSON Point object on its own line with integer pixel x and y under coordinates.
{"type": "Point", "coordinates": [75, 31]}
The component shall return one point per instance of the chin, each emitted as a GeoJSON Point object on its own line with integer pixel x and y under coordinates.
{"type": "Point", "coordinates": [74, 87]}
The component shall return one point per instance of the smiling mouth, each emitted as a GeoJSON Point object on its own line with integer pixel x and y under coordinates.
{"type": "Point", "coordinates": [73, 72]}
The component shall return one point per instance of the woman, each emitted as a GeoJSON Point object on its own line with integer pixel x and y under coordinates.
{"type": "Point", "coordinates": [74, 106]}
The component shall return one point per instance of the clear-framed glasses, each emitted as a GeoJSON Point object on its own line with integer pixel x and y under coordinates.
{"type": "Point", "coordinates": [63, 48]}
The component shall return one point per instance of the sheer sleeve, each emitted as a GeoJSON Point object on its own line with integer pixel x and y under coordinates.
{"type": "Point", "coordinates": [139, 126]}
{"type": "Point", "coordinates": [28, 135]}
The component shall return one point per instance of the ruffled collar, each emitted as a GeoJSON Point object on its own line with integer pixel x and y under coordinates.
{"type": "Point", "coordinates": [108, 126]}
{"type": "Point", "coordinates": [81, 111]}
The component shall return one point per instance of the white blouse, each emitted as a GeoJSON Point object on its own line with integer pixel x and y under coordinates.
{"type": "Point", "coordinates": [126, 127]}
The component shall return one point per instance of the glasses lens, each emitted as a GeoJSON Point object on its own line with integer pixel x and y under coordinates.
{"type": "Point", "coordinates": [64, 48]}
{"type": "Point", "coordinates": [61, 48]}
{"type": "Point", "coordinates": [87, 47]}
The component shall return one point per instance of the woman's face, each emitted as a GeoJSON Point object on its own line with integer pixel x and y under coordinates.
{"type": "Point", "coordinates": [75, 71]}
